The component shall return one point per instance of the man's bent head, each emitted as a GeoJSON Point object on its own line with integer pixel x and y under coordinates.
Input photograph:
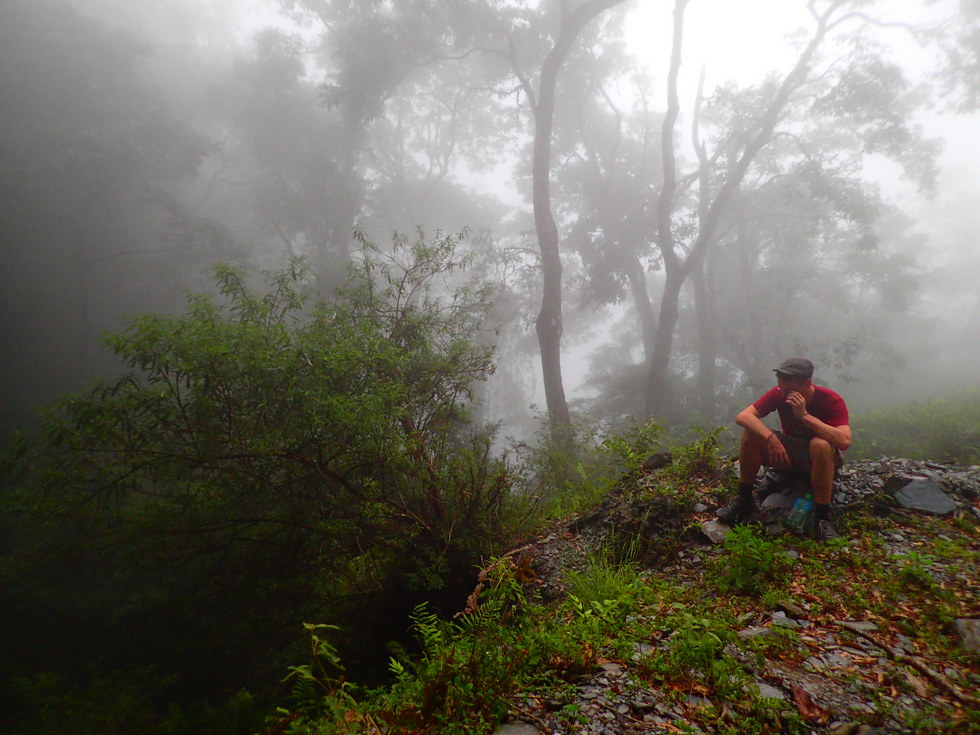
{"type": "Point", "coordinates": [794, 375]}
{"type": "Point", "coordinates": [795, 367]}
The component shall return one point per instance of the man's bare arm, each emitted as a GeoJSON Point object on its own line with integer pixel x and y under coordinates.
{"type": "Point", "coordinates": [750, 420]}
{"type": "Point", "coordinates": [839, 436]}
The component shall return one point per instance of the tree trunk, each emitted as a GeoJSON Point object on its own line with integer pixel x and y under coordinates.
{"type": "Point", "coordinates": [657, 390]}
{"type": "Point", "coordinates": [637, 277]}
{"type": "Point", "coordinates": [548, 324]}
{"type": "Point", "coordinates": [710, 216]}
{"type": "Point", "coordinates": [704, 297]}
{"type": "Point", "coordinates": [752, 353]}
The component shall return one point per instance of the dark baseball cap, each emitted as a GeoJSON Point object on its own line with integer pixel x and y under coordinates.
{"type": "Point", "coordinates": [795, 367]}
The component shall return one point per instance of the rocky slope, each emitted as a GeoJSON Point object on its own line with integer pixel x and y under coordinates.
{"type": "Point", "coordinates": [877, 632]}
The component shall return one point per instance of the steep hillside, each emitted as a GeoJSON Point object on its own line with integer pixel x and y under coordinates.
{"type": "Point", "coordinates": [646, 616]}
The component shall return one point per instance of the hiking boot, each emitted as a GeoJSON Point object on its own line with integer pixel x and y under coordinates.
{"type": "Point", "coordinates": [825, 531]}
{"type": "Point", "coordinates": [738, 512]}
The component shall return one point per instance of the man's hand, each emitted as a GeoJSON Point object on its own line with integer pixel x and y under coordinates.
{"type": "Point", "coordinates": [797, 402]}
{"type": "Point", "coordinates": [778, 458]}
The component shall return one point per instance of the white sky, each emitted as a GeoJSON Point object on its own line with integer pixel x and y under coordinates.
{"type": "Point", "coordinates": [742, 40]}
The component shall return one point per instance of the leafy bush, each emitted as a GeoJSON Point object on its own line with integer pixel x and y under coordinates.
{"type": "Point", "coordinates": [271, 456]}
{"type": "Point", "coordinates": [945, 429]}
{"type": "Point", "coordinates": [694, 650]}
{"type": "Point", "coordinates": [751, 564]}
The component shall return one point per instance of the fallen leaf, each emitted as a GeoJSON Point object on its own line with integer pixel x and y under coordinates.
{"type": "Point", "coordinates": [921, 688]}
{"type": "Point", "coordinates": [811, 711]}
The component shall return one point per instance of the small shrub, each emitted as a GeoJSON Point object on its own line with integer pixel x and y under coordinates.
{"type": "Point", "coordinates": [603, 579]}
{"type": "Point", "coordinates": [698, 458]}
{"type": "Point", "coordinates": [694, 650]}
{"type": "Point", "coordinates": [752, 563]}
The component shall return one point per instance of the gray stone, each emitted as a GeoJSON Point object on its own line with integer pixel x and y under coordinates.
{"type": "Point", "coordinates": [516, 728]}
{"type": "Point", "coordinates": [696, 700]}
{"type": "Point", "coordinates": [780, 620]}
{"type": "Point", "coordinates": [815, 663]}
{"type": "Point", "coordinates": [757, 632]}
{"type": "Point", "coordinates": [968, 630]}
{"type": "Point", "coordinates": [640, 650]}
{"type": "Point", "coordinates": [613, 669]}
{"type": "Point", "coordinates": [700, 507]}
{"type": "Point", "coordinates": [925, 495]}
{"type": "Point", "coordinates": [641, 704]}
{"type": "Point", "coordinates": [835, 661]}
{"type": "Point", "coordinates": [791, 607]}
{"type": "Point", "coordinates": [765, 690]}
{"type": "Point", "coordinates": [865, 626]}
{"type": "Point", "coordinates": [778, 501]}
{"type": "Point", "coordinates": [716, 531]}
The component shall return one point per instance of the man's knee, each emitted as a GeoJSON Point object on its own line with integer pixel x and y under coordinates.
{"type": "Point", "coordinates": [821, 450]}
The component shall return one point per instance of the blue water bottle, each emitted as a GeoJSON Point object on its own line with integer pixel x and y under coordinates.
{"type": "Point", "coordinates": [801, 516]}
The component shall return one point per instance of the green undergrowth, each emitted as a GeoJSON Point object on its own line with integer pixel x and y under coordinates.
{"type": "Point", "coordinates": [676, 630]}
{"type": "Point", "coordinates": [945, 429]}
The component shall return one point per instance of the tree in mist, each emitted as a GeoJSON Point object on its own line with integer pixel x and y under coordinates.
{"type": "Point", "coordinates": [366, 57]}
{"type": "Point", "coordinates": [285, 156]}
{"type": "Point", "coordinates": [606, 177]}
{"type": "Point", "coordinates": [92, 221]}
{"type": "Point", "coordinates": [542, 100]}
{"type": "Point", "coordinates": [535, 44]}
{"type": "Point", "coordinates": [694, 210]}
{"type": "Point", "coordinates": [960, 74]}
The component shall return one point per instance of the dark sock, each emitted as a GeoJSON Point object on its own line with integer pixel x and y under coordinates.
{"type": "Point", "coordinates": [745, 491]}
{"type": "Point", "coordinates": [822, 511]}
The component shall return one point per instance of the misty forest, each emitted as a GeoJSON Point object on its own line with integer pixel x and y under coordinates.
{"type": "Point", "coordinates": [310, 309]}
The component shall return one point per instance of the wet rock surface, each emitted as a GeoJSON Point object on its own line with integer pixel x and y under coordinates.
{"type": "Point", "coordinates": [854, 673]}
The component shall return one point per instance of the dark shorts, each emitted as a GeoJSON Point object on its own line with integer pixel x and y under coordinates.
{"type": "Point", "coordinates": [798, 449]}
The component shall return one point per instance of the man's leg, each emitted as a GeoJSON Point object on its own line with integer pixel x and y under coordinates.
{"type": "Point", "coordinates": [822, 469]}
{"type": "Point", "coordinates": [751, 454]}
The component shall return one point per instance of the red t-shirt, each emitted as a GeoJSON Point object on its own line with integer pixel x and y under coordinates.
{"type": "Point", "coordinates": [826, 405]}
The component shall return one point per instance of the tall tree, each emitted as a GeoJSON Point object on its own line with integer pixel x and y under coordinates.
{"type": "Point", "coordinates": [502, 41]}
{"type": "Point", "coordinates": [720, 173]}
{"type": "Point", "coordinates": [542, 100]}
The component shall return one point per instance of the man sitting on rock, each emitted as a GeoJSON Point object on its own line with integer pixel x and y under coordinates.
{"type": "Point", "coordinates": [815, 433]}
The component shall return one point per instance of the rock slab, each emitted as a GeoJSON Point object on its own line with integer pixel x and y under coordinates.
{"type": "Point", "coordinates": [925, 495]}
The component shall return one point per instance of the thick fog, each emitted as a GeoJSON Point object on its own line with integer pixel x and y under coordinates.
{"type": "Point", "coordinates": [668, 198]}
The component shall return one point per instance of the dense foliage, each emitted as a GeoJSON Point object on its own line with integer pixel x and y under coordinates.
{"type": "Point", "coordinates": [270, 458]}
